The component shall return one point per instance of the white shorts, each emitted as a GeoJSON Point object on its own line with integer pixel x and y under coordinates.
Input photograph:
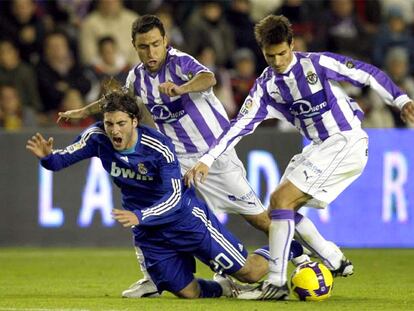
{"type": "Point", "coordinates": [325, 170]}
{"type": "Point", "coordinates": [226, 188]}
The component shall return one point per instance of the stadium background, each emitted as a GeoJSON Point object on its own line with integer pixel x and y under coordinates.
{"type": "Point", "coordinates": [55, 55]}
{"type": "Point", "coordinates": [72, 207]}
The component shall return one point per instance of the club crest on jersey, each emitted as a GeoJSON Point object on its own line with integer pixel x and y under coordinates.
{"type": "Point", "coordinates": [142, 169]}
{"type": "Point", "coordinates": [246, 106]}
{"type": "Point", "coordinates": [350, 64]}
{"type": "Point", "coordinates": [311, 77]}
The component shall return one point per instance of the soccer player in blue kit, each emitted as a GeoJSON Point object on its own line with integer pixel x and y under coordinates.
{"type": "Point", "coordinates": [302, 89]}
{"type": "Point", "coordinates": [170, 224]}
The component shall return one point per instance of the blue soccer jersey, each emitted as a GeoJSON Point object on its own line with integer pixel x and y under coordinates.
{"type": "Point", "coordinates": [174, 225]}
{"type": "Point", "coordinates": [149, 176]}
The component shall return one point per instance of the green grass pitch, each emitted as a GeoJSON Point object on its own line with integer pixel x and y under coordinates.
{"type": "Point", "coordinates": [92, 279]}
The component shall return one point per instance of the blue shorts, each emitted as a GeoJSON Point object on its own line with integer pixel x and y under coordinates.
{"type": "Point", "coordinates": [170, 250]}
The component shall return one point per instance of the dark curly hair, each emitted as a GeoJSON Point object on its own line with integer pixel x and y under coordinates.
{"type": "Point", "coordinates": [121, 100]}
{"type": "Point", "coordinates": [273, 29]}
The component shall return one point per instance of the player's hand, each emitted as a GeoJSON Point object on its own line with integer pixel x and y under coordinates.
{"type": "Point", "coordinates": [124, 217]}
{"type": "Point", "coordinates": [407, 113]}
{"type": "Point", "coordinates": [197, 173]}
{"type": "Point", "coordinates": [81, 113]}
{"type": "Point", "coordinates": [39, 146]}
{"type": "Point", "coordinates": [171, 89]}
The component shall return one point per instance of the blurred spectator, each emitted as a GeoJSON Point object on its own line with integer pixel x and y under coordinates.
{"type": "Point", "coordinates": [207, 56]}
{"type": "Point", "coordinates": [261, 8]}
{"type": "Point", "coordinates": [376, 113]}
{"type": "Point", "coordinates": [59, 73]}
{"type": "Point", "coordinates": [300, 44]}
{"type": "Point", "coordinates": [370, 14]}
{"type": "Point", "coordinates": [20, 74]}
{"type": "Point", "coordinates": [174, 34]}
{"type": "Point", "coordinates": [109, 64]}
{"type": "Point", "coordinates": [406, 8]}
{"type": "Point", "coordinates": [109, 19]}
{"type": "Point", "coordinates": [25, 28]}
{"type": "Point", "coordinates": [13, 115]}
{"type": "Point", "coordinates": [340, 31]}
{"type": "Point", "coordinates": [207, 26]}
{"type": "Point", "coordinates": [397, 66]}
{"type": "Point", "coordinates": [242, 77]}
{"type": "Point", "coordinates": [302, 15]}
{"type": "Point", "coordinates": [73, 100]}
{"type": "Point", "coordinates": [67, 15]}
{"type": "Point", "coordinates": [394, 33]}
{"type": "Point", "coordinates": [238, 17]}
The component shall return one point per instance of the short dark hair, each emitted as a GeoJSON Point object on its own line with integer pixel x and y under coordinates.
{"type": "Point", "coordinates": [121, 100]}
{"type": "Point", "coordinates": [273, 29]}
{"type": "Point", "coordinates": [146, 23]}
{"type": "Point", "coordinates": [104, 40]}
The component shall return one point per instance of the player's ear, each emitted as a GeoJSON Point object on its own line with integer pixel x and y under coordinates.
{"type": "Point", "coordinates": [134, 122]}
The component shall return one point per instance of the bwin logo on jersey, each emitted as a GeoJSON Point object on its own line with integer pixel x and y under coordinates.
{"type": "Point", "coordinates": [127, 173]}
{"type": "Point", "coordinates": [161, 112]}
{"type": "Point", "coordinates": [303, 108]}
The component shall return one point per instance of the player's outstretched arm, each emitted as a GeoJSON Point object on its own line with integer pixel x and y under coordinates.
{"type": "Point", "coordinates": [82, 113]}
{"type": "Point", "coordinates": [199, 83]}
{"type": "Point", "coordinates": [197, 173]}
{"type": "Point", "coordinates": [407, 113]}
{"type": "Point", "coordinates": [39, 146]}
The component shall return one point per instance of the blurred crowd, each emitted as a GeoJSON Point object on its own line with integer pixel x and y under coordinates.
{"type": "Point", "coordinates": [56, 55]}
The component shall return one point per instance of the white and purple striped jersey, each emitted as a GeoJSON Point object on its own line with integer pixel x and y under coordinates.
{"type": "Point", "coordinates": [308, 96]}
{"type": "Point", "coordinates": [192, 121]}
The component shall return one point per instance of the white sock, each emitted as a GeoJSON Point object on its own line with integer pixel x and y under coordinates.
{"type": "Point", "coordinates": [281, 231]}
{"type": "Point", "coordinates": [141, 261]}
{"type": "Point", "coordinates": [308, 235]}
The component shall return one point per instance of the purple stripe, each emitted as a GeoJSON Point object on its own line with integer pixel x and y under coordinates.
{"type": "Point", "coordinates": [224, 122]}
{"type": "Point", "coordinates": [137, 82]}
{"type": "Point", "coordinates": [298, 218]}
{"type": "Point", "coordinates": [150, 96]}
{"type": "Point", "coordinates": [281, 214]}
{"type": "Point", "coordinates": [336, 111]}
{"type": "Point", "coordinates": [161, 128]}
{"type": "Point", "coordinates": [284, 90]}
{"type": "Point", "coordinates": [320, 127]}
{"type": "Point", "coordinates": [359, 114]}
{"type": "Point", "coordinates": [162, 77]}
{"type": "Point", "coordinates": [304, 129]}
{"type": "Point", "coordinates": [286, 248]}
{"type": "Point", "coordinates": [184, 138]}
{"type": "Point", "coordinates": [195, 115]}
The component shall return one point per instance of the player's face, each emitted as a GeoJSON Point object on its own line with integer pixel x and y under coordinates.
{"type": "Point", "coordinates": [151, 48]}
{"type": "Point", "coordinates": [278, 56]}
{"type": "Point", "coordinates": [121, 129]}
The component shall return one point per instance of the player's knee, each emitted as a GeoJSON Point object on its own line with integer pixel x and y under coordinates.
{"type": "Point", "coordinates": [278, 200]}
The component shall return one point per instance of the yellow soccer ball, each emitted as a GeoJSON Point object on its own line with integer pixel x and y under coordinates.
{"type": "Point", "coordinates": [312, 281]}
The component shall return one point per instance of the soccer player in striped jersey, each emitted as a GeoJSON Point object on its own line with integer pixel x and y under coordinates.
{"type": "Point", "coordinates": [303, 89]}
{"type": "Point", "coordinates": [177, 90]}
{"type": "Point", "coordinates": [170, 224]}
